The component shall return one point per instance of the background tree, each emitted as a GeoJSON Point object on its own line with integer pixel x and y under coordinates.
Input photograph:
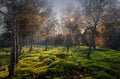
{"type": "Point", "coordinates": [48, 27]}
{"type": "Point", "coordinates": [95, 13]}
{"type": "Point", "coordinates": [72, 25]}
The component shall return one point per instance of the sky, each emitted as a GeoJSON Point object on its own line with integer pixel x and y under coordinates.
{"type": "Point", "coordinates": [58, 5]}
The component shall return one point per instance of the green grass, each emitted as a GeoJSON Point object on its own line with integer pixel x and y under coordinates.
{"type": "Point", "coordinates": [56, 63]}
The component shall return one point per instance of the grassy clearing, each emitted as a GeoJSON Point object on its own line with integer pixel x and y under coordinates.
{"type": "Point", "coordinates": [57, 64]}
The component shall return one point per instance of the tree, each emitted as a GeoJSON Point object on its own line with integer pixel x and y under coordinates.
{"type": "Point", "coordinates": [17, 15]}
{"type": "Point", "coordinates": [94, 11]}
{"type": "Point", "coordinates": [48, 27]}
{"type": "Point", "coordinates": [71, 20]}
{"type": "Point", "coordinates": [109, 35]}
{"type": "Point", "coordinates": [59, 40]}
{"type": "Point", "coordinates": [108, 30]}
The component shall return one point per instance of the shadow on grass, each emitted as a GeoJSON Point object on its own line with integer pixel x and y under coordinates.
{"type": "Point", "coordinates": [4, 56]}
{"type": "Point", "coordinates": [102, 50]}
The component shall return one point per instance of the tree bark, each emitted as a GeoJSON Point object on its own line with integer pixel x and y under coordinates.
{"type": "Point", "coordinates": [68, 43]}
{"type": "Point", "coordinates": [46, 43]}
{"type": "Point", "coordinates": [89, 52]}
{"type": "Point", "coordinates": [93, 40]}
{"type": "Point", "coordinates": [13, 55]}
{"type": "Point", "coordinates": [17, 43]}
{"type": "Point", "coordinates": [31, 45]}
{"type": "Point", "coordinates": [93, 35]}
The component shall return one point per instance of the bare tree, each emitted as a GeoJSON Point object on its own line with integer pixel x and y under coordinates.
{"type": "Point", "coordinates": [48, 27]}
{"type": "Point", "coordinates": [71, 22]}
{"type": "Point", "coordinates": [94, 11]}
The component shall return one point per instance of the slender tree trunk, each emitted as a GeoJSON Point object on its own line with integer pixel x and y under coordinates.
{"type": "Point", "coordinates": [90, 44]}
{"type": "Point", "coordinates": [78, 49]}
{"type": "Point", "coordinates": [68, 43]}
{"type": "Point", "coordinates": [31, 45]}
{"type": "Point", "coordinates": [46, 43]}
{"type": "Point", "coordinates": [93, 37]}
{"type": "Point", "coordinates": [93, 41]}
{"type": "Point", "coordinates": [89, 52]}
{"type": "Point", "coordinates": [20, 44]}
{"type": "Point", "coordinates": [20, 49]}
{"type": "Point", "coordinates": [17, 43]}
{"type": "Point", "coordinates": [13, 55]}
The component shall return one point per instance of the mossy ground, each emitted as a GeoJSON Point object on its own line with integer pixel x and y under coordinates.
{"type": "Point", "coordinates": [56, 63]}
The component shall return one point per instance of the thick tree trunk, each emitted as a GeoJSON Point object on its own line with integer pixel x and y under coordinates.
{"type": "Point", "coordinates": [12, 64]}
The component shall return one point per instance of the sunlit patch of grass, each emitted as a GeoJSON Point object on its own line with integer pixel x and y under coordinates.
{"type": "Point", "coordinates": [38, 63]}
{"type": "Point", "coordinates": [3, 74]}
{"type": "Point", "coordinates": [3, 71]}
{"type": "Point", "coordinates": [40, 69]}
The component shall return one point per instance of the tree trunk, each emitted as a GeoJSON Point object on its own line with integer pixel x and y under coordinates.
{"type": "Point", "coordinates": [93, 36]}
{"type": "Point", "coordinates": [78, 49]}
{"type": "Point", "coordinates": [93, 40]}
{"type": "Point", "coordinates": [89, 52]}
{"type": "Point", "coordinates": [68, 43]}
{"type": "Point", "coordinates": [89, 49]}
{"type": "Point", "coordinates": [13, 55]}
{"type": "Point", "coordinates": [31, 45]}
{"type": "Point", "coordinates": [17, 43]}
{"type": "Point", "coordinates": [46, 44]}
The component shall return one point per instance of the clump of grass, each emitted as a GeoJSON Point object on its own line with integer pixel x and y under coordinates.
{"type": "Point", "coordinates": [47, 61]}
{"type": "Point", "coordinates": [102, 75]}
{"type": "Point", "coordinates": [88, 78]}
{"type": "Point", "coordinates": [57, 78]}
{"type": "Point", "coordinates": [62, 55]}
{"type": "Point", "coordinates": [55, 69]}
{"type": "Point", "coordinates": [62, 68]}
{"type": "Point", "coordinates": [42, 58]}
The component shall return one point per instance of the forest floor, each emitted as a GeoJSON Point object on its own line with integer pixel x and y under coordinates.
{"type": "Point", "coordinates": [56, 63]}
